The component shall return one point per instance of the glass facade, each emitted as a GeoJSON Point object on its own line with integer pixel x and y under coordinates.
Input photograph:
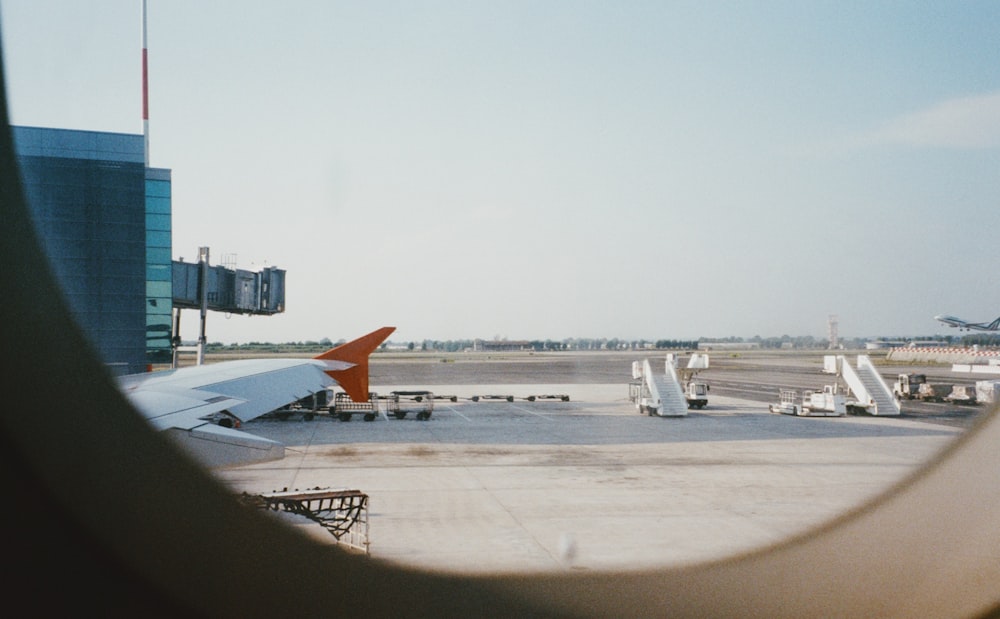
{"type": "Point", "coordinates": [159, 293]}
{"type": "Point", "coordinates": [88, 193]}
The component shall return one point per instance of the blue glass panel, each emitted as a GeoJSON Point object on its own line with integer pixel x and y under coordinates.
{"type": "Point", "coordinates": [157, 222]}
{"type": "Point", "coordinates": [158, 273]}
{"type": "Point", "coordinates": [159, 289]}
{"type": "Point", "coordinates": [159, 206]}
{"type": "Point", "coordinates": [155, 238]}
{"type": "Point", "coordinates": [118, 268]}
{"type": "Point", "coordinates": [158, 257]}
{"type": "Point", "coordinates": [157, 189]}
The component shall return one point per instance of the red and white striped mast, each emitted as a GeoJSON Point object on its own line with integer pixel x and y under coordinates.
{"type": "Point", "coordinates": [145, 87]}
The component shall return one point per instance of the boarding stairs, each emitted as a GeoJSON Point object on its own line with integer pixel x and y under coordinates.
{"type": "Point", "coordinates": [666, 396]}
{"type": "Point", "coordinates": [871, 392]}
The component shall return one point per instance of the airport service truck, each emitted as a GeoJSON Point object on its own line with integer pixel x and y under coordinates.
{"type": "Point", "coordinates": [696, 394]}
{"type": "Point", "coordinates": [907, 386]}
{"type": "Point", "coordinates": [915, 386]}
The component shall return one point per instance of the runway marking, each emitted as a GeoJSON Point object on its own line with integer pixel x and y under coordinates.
{"type": "Point", "coordinates": [452, 409]}
{"type": "Point", "coordinates": [521, 408]}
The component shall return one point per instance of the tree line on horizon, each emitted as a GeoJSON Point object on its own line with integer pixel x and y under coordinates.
{"type": "Point", "coordinates": [596, 344]}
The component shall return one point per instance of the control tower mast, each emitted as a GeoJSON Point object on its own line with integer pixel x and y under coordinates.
{"type": "Point", "coordinates": [833, 337]}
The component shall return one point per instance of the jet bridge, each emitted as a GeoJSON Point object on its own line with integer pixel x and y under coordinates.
{"type": "Point", "coordinates": [207, 288]}
{"type": "Point", "coordinates": [872, 393]}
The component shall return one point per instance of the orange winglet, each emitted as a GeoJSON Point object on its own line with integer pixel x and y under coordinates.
{"type": "Point", "coordinates": [354, 380]}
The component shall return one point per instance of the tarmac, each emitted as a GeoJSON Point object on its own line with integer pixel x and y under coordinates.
{"type": "Point", "coordinates": [587, 484]}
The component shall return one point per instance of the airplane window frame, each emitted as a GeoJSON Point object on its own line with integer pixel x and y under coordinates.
{"type": "Point", "coordinates": [106, 514]}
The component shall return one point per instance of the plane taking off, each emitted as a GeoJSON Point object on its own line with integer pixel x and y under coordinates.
{"type": "Point", "coordinates": [200, 406]}
{"type": "Point", "coordinates": [965, 325]}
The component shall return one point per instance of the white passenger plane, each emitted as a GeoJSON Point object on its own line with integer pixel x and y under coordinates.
{"type": "Point", "coordinates": [965, 325]}
{"type": "Point", "coordinates": [199, 407]}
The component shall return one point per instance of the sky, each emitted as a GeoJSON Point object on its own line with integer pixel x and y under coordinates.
{"type": "Point", "coordinates": [555, 169]}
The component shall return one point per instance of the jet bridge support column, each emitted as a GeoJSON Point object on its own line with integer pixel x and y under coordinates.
{"type": "Point", "coordinates": [203, 292]}
{"type": "Point", "coordinates": [175, 339]}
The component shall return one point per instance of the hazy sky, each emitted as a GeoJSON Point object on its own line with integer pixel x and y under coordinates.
{"type": "Point", "coordinates": [555, 169]}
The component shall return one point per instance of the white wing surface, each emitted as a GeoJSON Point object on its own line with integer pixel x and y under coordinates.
{"type": "Point", "coordinates": [184, 402]}
{"type": "Point", "coordinates": [247, 388]}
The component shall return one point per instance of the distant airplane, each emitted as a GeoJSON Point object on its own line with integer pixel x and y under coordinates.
{"type": "Point", "coordinates": [200, 406]}
{"type": "Point", "coordinates": [964, 325]}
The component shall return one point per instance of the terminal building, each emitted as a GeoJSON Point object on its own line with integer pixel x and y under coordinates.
{"type": "Point", "coordinates": [104, 220]}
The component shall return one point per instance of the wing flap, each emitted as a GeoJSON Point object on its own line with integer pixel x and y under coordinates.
{"type": "Point", "coordinates": [217, 446]}
{"type": "Point", "coordinates": [263, 393]}
{"type": "Point", "coordinates": [180, 409]}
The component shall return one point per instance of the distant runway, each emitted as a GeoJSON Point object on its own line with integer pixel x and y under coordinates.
{"type": "Point", "coordinates": [589, 483]}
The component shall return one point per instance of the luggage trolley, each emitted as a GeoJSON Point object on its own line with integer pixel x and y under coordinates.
{"type": "Point", "coordinates": [344, 407]}
{"type": "Point", "coordinates": [419, 402]}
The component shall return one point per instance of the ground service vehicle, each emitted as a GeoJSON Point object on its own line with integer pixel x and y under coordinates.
{"type": "Point", "coordinates": [907, 386]}
{"type": "Point", "coordinates": [930, 392]}
{"type": "Point", "coordinates": [915, 386]}
{"type": "Point", "coordinates": [696, 394]}
{"type": "Point", "coordinates": [827, 402]}
{"type": "Point", "coordinates": [962, 394]}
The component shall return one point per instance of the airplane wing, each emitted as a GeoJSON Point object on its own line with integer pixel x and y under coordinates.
{"type": "Point", "coordinates": [186, 401]}
{"type": "Point", "coordinates": [246, 389]}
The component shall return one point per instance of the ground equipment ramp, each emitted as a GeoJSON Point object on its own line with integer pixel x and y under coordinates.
{"type": "Point", "coordinates": [662, 393]}
{"type": "Point", "coordinates": [868, 387]}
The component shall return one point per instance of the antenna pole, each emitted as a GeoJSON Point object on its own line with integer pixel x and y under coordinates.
{"type": "Point", "coordinates": [145, 88]}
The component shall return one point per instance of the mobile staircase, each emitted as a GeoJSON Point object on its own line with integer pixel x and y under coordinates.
{"type": "Point", "coordinates": [656, 393]}
{"type": "Point", "coordinates": [872, 393]}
